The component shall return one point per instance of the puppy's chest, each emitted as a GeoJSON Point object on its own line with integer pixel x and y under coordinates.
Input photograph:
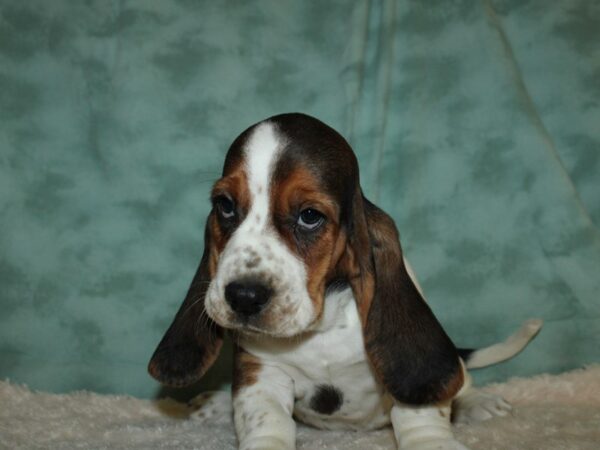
{"type": "Point", "coordinates": [334, 386]}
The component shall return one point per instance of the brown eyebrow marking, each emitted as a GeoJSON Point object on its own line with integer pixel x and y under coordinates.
{"type": "Point", "coordinates": [235, 186]}
{"type": "Point", "coordinates": [297, 190]}
{"type": "Point", "coordinates": [300, 189]}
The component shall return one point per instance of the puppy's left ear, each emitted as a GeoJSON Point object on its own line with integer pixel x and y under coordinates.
{"type": "Point", "coordinates": [406, 345]}
{"type": "Point", "coordinates": [193, 341]}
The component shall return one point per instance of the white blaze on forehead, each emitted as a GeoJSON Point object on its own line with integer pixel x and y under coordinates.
{"type": "Point", "coordinates": [256, 250]}
{"type": "Point", "coordinates": [261, 152]}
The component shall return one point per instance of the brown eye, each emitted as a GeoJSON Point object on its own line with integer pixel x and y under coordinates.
{"type": "Point", "coordinates": [310, 219]}
{"type": "Point", "coordinates": [225, 206]}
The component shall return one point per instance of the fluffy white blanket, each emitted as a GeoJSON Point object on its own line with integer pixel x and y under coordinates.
{"type": "Point", "coordinates": [550, 412]}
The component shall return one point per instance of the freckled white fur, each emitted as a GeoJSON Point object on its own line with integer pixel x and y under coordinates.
{"type": "Point", "coordinates": [256, 250]}
{"type": "Point", "coordinates": [331, 354]}
{"type": "Point", "coordinates": [262, 412]}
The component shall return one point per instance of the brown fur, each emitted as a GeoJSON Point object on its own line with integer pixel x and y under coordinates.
{"type": "Point", "coordinates": [452, 387]}
{"type": "Point", "coordinates": [357, 260]}
{"type": "Point", "coordinates": [234, 185]}
{"type": "Point", "coordinates": [296, 192]}
{"type": "Point", "coordinates": [245, 369]}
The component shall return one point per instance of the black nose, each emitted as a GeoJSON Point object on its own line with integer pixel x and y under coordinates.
{"type": "Point", "coordinates": [247, 297]}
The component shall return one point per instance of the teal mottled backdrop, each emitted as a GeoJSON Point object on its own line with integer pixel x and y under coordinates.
{"type": "Point", "coordinates": [476, 123]}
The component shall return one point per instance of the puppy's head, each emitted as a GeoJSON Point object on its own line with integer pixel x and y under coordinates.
{"type": "Point", "coordinates": [275, 238]}
{"type": "Point", "coordinates": [279, 225]}
{"type": "Point", "coordinates": [288, 220]}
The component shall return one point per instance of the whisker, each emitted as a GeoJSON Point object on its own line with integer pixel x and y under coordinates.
{"type": "Point", "coordinates": [194, 303]}
{"type": "Point", "coordinates": [200, 297]}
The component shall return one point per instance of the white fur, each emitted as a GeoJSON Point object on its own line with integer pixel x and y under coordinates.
{"type": "Point", "coordinates": [255, 250]}
{"type": "Point", "coordinates": [333, 354]}
{"type": "Point", "coordinates": [424, 428]}
{"type": "Point", "coordinates": [262, 412]}
{"type": "Point", "coordinates": [261, 153]}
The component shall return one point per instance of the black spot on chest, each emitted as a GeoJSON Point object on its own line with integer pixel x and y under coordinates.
{"type": "Point", "coordinates": [327, 399]}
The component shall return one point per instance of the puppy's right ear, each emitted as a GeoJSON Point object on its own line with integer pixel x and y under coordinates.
{"type": "Point", "coordinates": [193, 341]}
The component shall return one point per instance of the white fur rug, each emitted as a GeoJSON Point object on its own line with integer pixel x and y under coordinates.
{"type": "Point", "coordinates": [549, 412]}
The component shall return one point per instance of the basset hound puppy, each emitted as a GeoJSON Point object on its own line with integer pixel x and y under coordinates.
{"type": "Point", "coordinates": [329, 325]}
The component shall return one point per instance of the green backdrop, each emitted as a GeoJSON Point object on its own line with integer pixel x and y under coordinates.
{"type": "Point", "coordinates": [476, 124]}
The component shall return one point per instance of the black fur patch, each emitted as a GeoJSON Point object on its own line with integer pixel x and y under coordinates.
{"type": "Point", "coordinates": [465, 353]}
{"type": "Point", "coordinates": [327, 399]}
{"type": "Point", "coordinates": [336, 285]}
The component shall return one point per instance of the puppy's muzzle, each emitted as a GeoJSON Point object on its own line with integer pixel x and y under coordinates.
{"type": "Point", "coordinates": [247, 298]}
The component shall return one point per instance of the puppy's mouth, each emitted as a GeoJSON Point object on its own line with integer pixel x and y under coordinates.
{"type": "Point", "coordinates": [245, 324]}
{"type": "Point", "coordinates": [261, 325]}
{"type": "Point", "coordinates": [267, 323]}
{"type": "Point", "coordinates": [248, 329]}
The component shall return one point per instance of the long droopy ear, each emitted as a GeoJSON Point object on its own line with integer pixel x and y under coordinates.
{"type": "Point", "coordinates": [406, 345]}
{"type": "Point", "coordinates": [193, 341]}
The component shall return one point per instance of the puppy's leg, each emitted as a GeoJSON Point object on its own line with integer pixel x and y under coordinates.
{"type": "Point", "coordinates": [211, 405]}
{"type": "Point", "coordinates": [262, 411]}
{"type": "Point", "coordinates": [424, 428]}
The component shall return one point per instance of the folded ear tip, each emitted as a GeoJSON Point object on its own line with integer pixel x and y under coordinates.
{"type": "Point", "coordinates": [417, 391]}
{"type": "Point", "coordinates": [177, 367]}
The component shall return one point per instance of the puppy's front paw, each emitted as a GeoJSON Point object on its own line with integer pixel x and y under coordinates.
{"type": "Point", "coordinates": [477, 406]}
{"type": "Point", "coordinates": [436, 444]}
{"type": "Point", "coordinates": [266, 443]}
{"type": "Point", "coordinates": [212, 405]}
